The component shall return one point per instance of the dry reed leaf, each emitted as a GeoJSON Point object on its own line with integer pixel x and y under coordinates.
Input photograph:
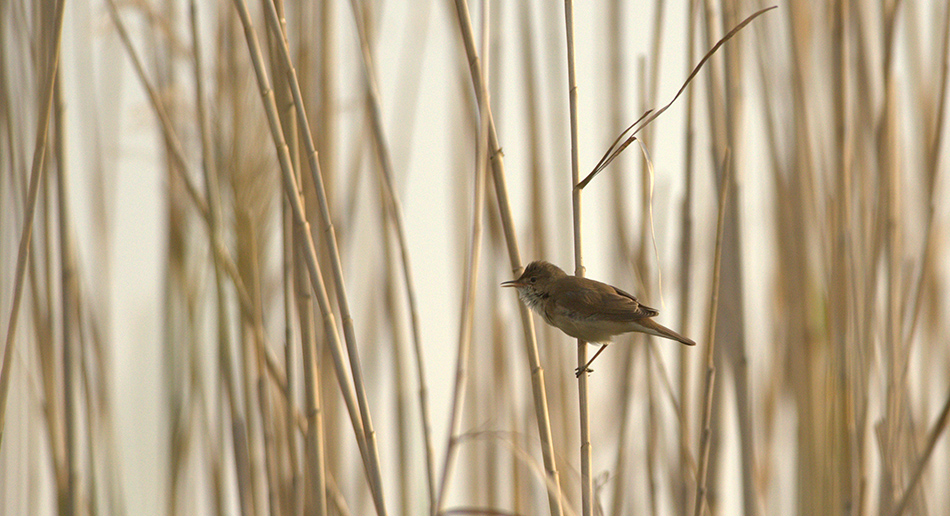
{"type": "Point", "coordinates": [650, 115]}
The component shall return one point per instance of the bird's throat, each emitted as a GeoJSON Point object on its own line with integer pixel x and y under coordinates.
{"type": "Point", "coordinates": [532, 299]}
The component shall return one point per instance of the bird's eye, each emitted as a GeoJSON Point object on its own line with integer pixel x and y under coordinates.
{"type": "Point", "coordinates": [532, 280]}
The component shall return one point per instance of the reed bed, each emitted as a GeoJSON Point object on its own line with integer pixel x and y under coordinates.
{"type": "Point", "coordinates": [251, 256]}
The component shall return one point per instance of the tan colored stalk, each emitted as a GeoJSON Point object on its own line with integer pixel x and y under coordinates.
{"type": "Point", "coordinates": [843, 431]}
{"type": "Point", "coordinates": [247, 340]}
{"type": "Point", "coordinates": [393, 210]}
{"type": "Point", "coordinates": [257, 374]}
{"type": "Point", "coordinates": [686, 473]}
{"type": "Point", "coordinates": [173, 144]}
{"type": "Point", "coordinates": [55, 34]}
{"type": "Point", "coordinates": [177, 293]}
{"type": "Point", "coordinates": [620, 474]}
{"type": "Point", "coordinates": [732, 334]}
{"type": "Point", "coordinates": [212, 193]}
{"type": "Point", "coordinates": [467, 317]}
{"type": "Point", "coordinates": [797, 214]}
{"type": "Point", "coordinates": [92, 393]}
{"type": "Point", "coordinates": [405, 474]}
{"type": "Point", "coordinates": [641, 265]}
{"type": "Point", "coordinates": [221, 253]}
{"type": "Point", "coordinates": [925, 455]}
{"type": "Point", "coordinates": [298, 494]}
{"type": "Point", "coordinates": [314, 437]}
{"type": "Point", "coordinates": [361, 420]}
{"type": "Point", "coordinates": [292, 480]}
{"type": "Point", "coordinates": [933, 145]}
{"type": "Point", "coordinates": [69, 290]}
{"type": "Point", "coordinates": [587, 485]}
{"type": "Point", "coordinates": [699, 502]}
{"type": "Point", "coordinates": [288, 120]}
{"type": "Point", "coordinates": [892, 427]}
{"type": "Point", "coordinates": [514, 257]}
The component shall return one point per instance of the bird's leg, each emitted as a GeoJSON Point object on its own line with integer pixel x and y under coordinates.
{"type": "Point", "coordinates": [586, 368]}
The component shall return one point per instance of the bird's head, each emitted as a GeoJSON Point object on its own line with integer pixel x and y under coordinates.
{"type": "Point", "coordinates": [535, 283]}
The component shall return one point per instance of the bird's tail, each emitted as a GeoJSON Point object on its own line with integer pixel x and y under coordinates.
{"type": "Point", "coordinates": [654, 328]}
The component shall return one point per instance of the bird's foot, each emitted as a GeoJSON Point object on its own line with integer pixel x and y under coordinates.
{"type": "Point", "coordinates": [577, 371]}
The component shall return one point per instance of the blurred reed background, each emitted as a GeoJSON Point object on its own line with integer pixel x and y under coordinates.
{"type": "Point", "coordinates": [207, 323]}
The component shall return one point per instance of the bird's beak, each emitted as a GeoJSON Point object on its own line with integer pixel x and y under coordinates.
{"type": "Point", "coordinates": [512, 283]}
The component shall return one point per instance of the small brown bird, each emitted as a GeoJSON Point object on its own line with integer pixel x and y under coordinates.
{"type": "Point", "coordinates": [584, 308]}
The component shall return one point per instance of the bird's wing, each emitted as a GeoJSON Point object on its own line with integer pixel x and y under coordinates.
{"type": "Point", "coordinates": [602, 300]}
{"type": "Point", "coordinates": [642, 308]}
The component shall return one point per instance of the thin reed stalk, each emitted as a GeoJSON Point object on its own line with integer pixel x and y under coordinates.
{"type": "Point", "coordinates": [685, 273]}
{"type": "Point", "coordinates": [514, 256]}
{"type": "Point", "coordinates": [256, 370]}
{"type": "Point", "coordinates": [404, 454]}
{"type": "Point", "coordinates": [298, 494]}
{"type": "Point", "coordinates": [621, 474]}
{"type": "Point", "coordinates": [173, 143]}
{"type": "Point", "coordinates": [212, 193]}
{"type": "Point", "coordinates": [317, 491]}
{"type": "Point", "coordinates": [353, 393]}
{"type": "Point", "coordinates": [393, 210]}
{"type": "Point", "coordinates": [934, 139]}
{"type": "Point", "coordinates": [37, 171]}
{"type": "Point", "coordinates": [587, 484]}
{"type": "Point", "coordinates": [222, 256]}
{"type": "Point", "coordinates": [313, 408]}
{"type": "Point", "coordinates": [467, 318]}
{"type": "Point", "coordinates": [732, 333]}
{"type": "Point", "coordinates": [933, 436]}
{"type": "Point", "coordinates": [699, 503]}
{"type": "Point", "coordinates": [843, 430]}
{"type": "Point", "coordinates": [69, 290]}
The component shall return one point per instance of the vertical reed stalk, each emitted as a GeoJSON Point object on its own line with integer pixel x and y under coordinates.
{"type": "Point", "coordinates": [467, 318]}
{"type": "Point", "coordinates": [393, 210]}
{"type": "Point", "coordinates": [55, 35]}
{"type": "Point", "coordinates": [685, 274]}
{"type": "Point", "coordinates": [620, 474]}
{"type": "Point", "coordinates": [298, 493]}
{"type": "Point", "coordinates": [212, 193]}
{"type": "Point", "coordinates": [842, 430]}
{"type": "Point", "coordinates": [514, 256]}
{"type": "Point", "coordinates": [699, 503]}
{"type": "Point", "coordinates": [925, 456]}
{"type": "Point", "coordinates": [313, 408]}
{"type": "Point", "coordinates": [169, 136]}
{"type": "Point", "coordinates": [361, 421]}
{"type": "Point", "coordinates": [587, 485]}
{"type": "Point", "coordinates": [936, 133]}
{"type": "Point", "coordinates": [616, 25]}
{"type": "Point", "coordinates": [72, 356]}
